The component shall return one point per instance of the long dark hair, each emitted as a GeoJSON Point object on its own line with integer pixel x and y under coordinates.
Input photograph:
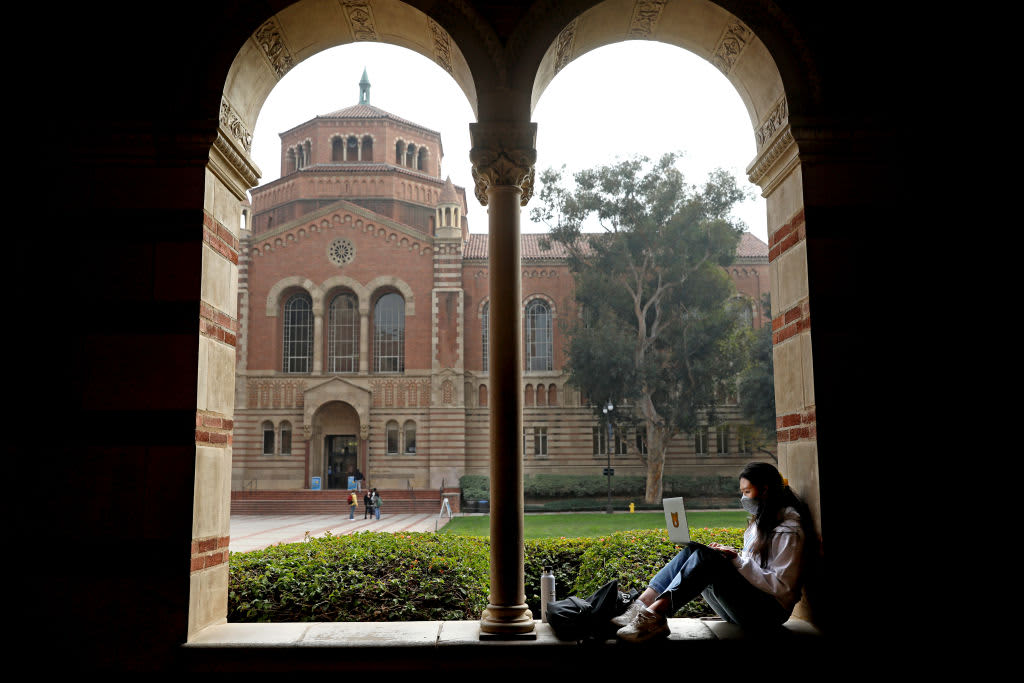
{"type": "Point", "coordinates": [774, 496]}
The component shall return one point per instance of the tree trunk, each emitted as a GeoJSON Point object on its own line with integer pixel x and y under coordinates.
{"type": "Point", "coordinates": [655, 464]}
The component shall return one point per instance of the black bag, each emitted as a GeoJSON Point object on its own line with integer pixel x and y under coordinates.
{"type": "Point", "coordinates": [574, 618]}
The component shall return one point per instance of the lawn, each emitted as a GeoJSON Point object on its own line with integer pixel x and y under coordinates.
{"type": "Point", "coordinates": [594, 524]}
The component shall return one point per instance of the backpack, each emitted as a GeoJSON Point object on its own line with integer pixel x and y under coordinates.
{"type": "Point", "coordinates": [575, 618]}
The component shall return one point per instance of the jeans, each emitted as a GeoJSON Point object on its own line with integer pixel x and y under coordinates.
{"type": "Point", "coordinates": [376, 511]}
{"type": "Point", "coordinates": [699, 570]}
{"type": "Point", "coordinates": [351, 511]}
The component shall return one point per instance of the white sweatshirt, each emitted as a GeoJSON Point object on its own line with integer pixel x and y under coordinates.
{"type": "Point", "coordinates": [782, 572]}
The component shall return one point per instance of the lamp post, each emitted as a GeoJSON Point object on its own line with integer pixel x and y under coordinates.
{"type": "Point", "coordinates": [607, 410]}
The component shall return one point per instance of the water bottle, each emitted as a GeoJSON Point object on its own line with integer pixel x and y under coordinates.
{"type": "Point", "coordinates": [547, 592]}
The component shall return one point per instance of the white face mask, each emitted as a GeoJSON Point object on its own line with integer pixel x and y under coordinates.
{"type": "Point", "coordinates": [751, 505]}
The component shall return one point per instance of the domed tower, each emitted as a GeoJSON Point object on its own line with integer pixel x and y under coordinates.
{"type": "Point", "coordinates": [361, 154]}
{"type": "Point", "coordinates": [448, 223]}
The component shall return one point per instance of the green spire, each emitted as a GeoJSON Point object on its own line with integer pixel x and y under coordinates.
{"type": "Point", "coordinates": [364, 88]}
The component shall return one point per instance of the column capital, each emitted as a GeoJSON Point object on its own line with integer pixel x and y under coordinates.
{"type": "Point", "coordinates": [503, 153]}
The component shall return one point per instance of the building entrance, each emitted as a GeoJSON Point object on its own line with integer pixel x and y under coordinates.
{"type": "Point", "coordinates": [341, 452]}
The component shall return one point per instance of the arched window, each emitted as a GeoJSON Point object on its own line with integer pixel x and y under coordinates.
{"type": "Point", "coordinates": [552, 395]}
{"type": "Point", "coordinates": [410, 156]}
{"type": "Point", "coordinates": [367, 152]}
{"type": "Point", "coordinates": [538, 335]}
{"type": "Point", "coordinates": [286, 438]}
{"type": "Point", "coordinates": [389, 334]}
{"type": "Point", "coordinates": [485, 333]}
{"type": "Point", "coordinates": [343, 334]}
{"type": "Point", "coordinates": [528, 396]}
{"type": "Point", "coordinates": [337, 149]}
{"type": "Point", "coordinates": [542, 395]}
{"type": "Point", "coordinates": [268, 437]}
{"type": "Point", "coordinates": [421, 159]}
{"type": "Point", "coordinates": [399, 152]}
{"type": "Point", "coordinates": [483, 395]}
{"type": "Point", "coordinates": [298, 334]}
{"type": "Point", "coordinates": [410, 437]}
{"type": "Point", "coordinates": [392, 435]}
{"type": "Point", "coordinates": [291, 165]}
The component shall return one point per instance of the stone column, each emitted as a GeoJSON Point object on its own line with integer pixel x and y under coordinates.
{"type": "Point", "coordinates": [318, 343]}
{"type": "Point", "coordinates": [503, 156]}
{"type": "Point", "coordinates": [364, 341]}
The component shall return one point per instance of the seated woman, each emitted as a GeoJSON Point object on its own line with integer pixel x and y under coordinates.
{"type": "Point", "coordinates": [756, 587]}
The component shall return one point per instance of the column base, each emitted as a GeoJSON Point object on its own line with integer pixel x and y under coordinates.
{"type": "Point", "coordinates": [513, 621]}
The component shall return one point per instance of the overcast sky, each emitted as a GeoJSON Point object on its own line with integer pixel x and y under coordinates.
{"type": "Point", "coordinates": [636, 97]}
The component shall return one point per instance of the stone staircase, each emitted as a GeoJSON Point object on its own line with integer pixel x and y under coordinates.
{"type": "Point", "coordinates": [306, 502]}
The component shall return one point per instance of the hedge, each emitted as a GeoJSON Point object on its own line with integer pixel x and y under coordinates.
{"type": "Point", "coordinates": [477, 486]}
{"type": "Point", "coordinates": [431, 577]}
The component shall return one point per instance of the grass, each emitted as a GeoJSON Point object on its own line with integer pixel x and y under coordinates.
{"type": "Point", "coordinates": [595, 524]}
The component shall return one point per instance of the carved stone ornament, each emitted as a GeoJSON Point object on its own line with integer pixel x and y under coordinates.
{"type": "Point", "coordinates": [360, 19]}
{"type": "Point", "coordinates": [730, 46]}
{"type": "Point", "coordinates": [776, 120]}
{"type": "Point", "coordinates": [232, 166]}
{"type": "Point", "coordinates": [645, 17]}
{"type": "Point", "coordinates": [503, 154]}
{"type": "Point", "coordinates": [442, 46]}
{"type": "Point", "coordinates": [270, 39]}
{"type": "Point", "coordinates": [564, 44]}
{"type": "Point", "coordinates": [364, 431]}
{"type": "Point", "coordinates": [767, 158]}
{"type": "Point", "coordinates": [307, 431]}
{"type": "Point", "coordinates": [231, 122]}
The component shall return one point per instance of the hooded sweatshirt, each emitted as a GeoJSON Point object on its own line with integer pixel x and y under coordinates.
{"type": "Point", "coordinates": [781, 574]}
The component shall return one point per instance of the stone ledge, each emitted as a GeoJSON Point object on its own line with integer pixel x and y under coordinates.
{"type": "Point", "coordinates": [430, 634]}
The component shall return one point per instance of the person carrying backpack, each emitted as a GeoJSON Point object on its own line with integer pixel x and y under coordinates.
{"type": "Point", "coordinates": [376, 504]}
{"type": "Point", "coordinates": [353, 501]}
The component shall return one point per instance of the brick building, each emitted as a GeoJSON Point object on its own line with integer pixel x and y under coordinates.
{"type": "Point", "coordinates": [363, 305]}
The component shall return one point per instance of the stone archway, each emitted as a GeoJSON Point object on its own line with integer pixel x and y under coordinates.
{"type": "Point", "coordinates": [503, 156]}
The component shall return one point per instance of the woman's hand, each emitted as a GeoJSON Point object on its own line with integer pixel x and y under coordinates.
{"type": "Point", "coordinates": [726, 550]}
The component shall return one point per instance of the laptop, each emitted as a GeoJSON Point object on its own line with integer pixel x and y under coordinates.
{"type": "Point", "coordinates": [675, 520]}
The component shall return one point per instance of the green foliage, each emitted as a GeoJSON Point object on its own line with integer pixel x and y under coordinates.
{"type": "Point", "coordinates": [634, 557]}
{"type": "Point", "coordinates": [568, 486]}
{"type": "Point", "coordinates": [757, 388]}
{"type": "Point", "coordinates": [424, 576]}
{"type": "Point", "coordinates": [475, 486]}
{"type": "Point", "coordinates": [562, 555]}
{"type": "Point", "coordinates": [362, 577]}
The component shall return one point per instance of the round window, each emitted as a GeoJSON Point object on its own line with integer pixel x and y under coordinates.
{"type": "Point", "coordinates": [341, 251]}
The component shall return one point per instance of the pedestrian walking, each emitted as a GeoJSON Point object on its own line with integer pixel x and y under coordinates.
{"type": "Point", "coordinates": [353, 501]}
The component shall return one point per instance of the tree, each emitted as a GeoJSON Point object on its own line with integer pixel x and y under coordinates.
{"type": "Point", "coordinates": [659, 330]}
{"type": "Point", "coordinates": [756, 387]}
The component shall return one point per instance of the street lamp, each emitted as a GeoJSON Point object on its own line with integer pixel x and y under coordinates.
{"type": "Point", "coordinates": [608, 471]}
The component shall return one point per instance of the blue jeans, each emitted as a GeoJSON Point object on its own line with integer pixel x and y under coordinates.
{"type": "Point", "coordinates": [351, 511]}
{"type": "Point", "coordinates": [376, 511]}
{"type": "Point", "coordinates": [699, 570]}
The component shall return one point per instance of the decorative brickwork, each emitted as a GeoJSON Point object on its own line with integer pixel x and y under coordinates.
{"type": "Point", "coordinates": [220, 238]}
{"type": "Point", "coordinates": [217, 325]}
{"type": "Point", "coordinates": [213, 429]}
{"type": "Point", "coordinates": [793, 321]}
{"type": "Point", "coordinates": [796, 426]}
{"type": "Point", "coordinates": [786, 237]}
{"type": "Point", "coordinates": [209, 552]}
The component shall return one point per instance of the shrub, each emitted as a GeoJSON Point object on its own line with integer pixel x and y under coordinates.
{"type": "Point", "coordinates": [426, 576]}
{"type": "Point", "coordinates": [634, 557]}
{"type": "Point", "coordinates": [362, 577]}
{"type": "Point", "coordinates": [563, 555]}
{"type": "Point", "coordinates": [475, 486]}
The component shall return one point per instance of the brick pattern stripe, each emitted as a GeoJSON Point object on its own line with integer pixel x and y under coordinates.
{"type": "Point", "coordinates": [786, 237]}
{"type": "Point", "coordinates": [791, 322]}
{"type": "Point", "coordinates": [220, 238]}
{"type": "Point", "coordinates": [209, 552]}
{"type": "Point", "coordinates": [213, 429]}
{"type": "Point", "coordinates": [217, 325]}
{"type": "Point", "coordinates": [796, 426]}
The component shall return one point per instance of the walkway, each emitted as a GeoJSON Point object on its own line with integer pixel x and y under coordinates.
{"type": "Point", "coordinates": [253, 532]}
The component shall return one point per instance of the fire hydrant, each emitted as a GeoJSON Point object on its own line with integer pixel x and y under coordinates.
{"type": "Point", "coordinates": [631, 507]}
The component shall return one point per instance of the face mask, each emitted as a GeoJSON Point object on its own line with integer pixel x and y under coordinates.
{"type": "Point", "coordinates": [751, 505]}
